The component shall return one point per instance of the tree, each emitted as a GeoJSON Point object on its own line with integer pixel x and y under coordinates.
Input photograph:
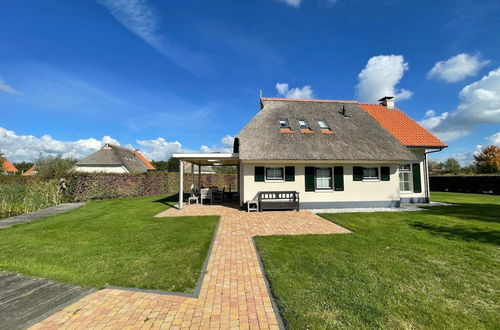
{"type": "Point", "coordinates": [173, 164]}
{"type": "Point", "coordinates": [54, 167]}
{"type": "Point", "coordinates": [451, 165]}
{"type": "Point", "coordinates": [23, 166]}
{"type": "Point", "coordinates": [488, 160]}
{"type": "Point", "coordinates": [160, 165]}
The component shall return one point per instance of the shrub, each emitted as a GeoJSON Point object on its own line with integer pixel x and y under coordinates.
{"type": "Point", "coordinates": [54, 167]}
{"type": "Point", "coordinates": [17, 198]}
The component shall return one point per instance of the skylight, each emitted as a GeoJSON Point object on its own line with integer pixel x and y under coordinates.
{"type": "Point", "coordinates": [323, 125]}
{"type": "Point", "coordinates": [303, 124]}
{"type": "Point", "coordinates": [284, 123]}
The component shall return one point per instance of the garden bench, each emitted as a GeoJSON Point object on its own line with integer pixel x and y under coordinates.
{"type": "Point", "coordinates": [278, 200]}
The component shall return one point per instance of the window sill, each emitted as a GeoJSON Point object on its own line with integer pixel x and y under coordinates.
{"type": "Point", "coordinates": [274, 181]}
{"type": "Point", "coordinates": [406, 192]}
{"type": "Point", "coordinates": [371, 180]}
{"type": "Point", "coordinates": [323, 191]}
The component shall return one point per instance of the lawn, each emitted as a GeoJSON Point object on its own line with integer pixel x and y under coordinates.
{"type": "Point", "coordinates": [114, 242]}
{"type": "Point", "coordinates": [438, 268]}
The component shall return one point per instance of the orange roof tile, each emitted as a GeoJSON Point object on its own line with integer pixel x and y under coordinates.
{"type": "Point", "coordinates": [141, 157]}
{"type": "Point", "coordinates": [28, 172]}
{"type": "Point", "coordinates": [405, 129]}
{"type": "Point", "coordinates": [8, 166]}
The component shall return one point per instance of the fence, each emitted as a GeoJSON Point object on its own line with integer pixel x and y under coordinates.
{"type": "Point", "coordinates": [466, 184]}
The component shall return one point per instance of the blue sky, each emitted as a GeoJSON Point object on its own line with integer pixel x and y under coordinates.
{"type": "Point", "coordinates": [168, 76]}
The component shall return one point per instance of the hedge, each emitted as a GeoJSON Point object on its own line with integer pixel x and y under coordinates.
{"type": "Point", "coordinates": [466, 184]}
{"type": "Point", "coordinates": [86, 186]}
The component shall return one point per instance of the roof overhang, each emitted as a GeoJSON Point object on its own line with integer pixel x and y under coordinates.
{"type": "Point", "coordinates": [209, 159]}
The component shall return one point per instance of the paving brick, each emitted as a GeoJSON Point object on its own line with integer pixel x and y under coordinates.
{"type": "Point", "coordinates": [233, 293]}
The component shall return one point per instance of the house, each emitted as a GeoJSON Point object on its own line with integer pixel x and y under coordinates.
{"type": "Point", "coordinates": [333, 153]}
{"type": "Point", "coordinates": [8, 167]}
{"type": "Point", "coordinates": [196, 169]}
{"type": "Point", "coordinates": [114, 159]}
{"type": "Point", "coordinates": [31, 171]}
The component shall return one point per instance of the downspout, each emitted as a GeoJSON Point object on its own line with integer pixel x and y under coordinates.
{"type": "Point", "coordinates": [426, 175]}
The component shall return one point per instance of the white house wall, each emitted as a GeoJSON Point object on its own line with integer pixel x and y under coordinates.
{"type": "Point", "coordinates": [101, 169]}
{"type": "Point", "coordinates": [356, 193]}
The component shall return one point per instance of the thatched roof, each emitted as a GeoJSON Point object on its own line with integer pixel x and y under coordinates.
{"type": "Point", "coordinates": [113, 155]}
{"type": "Point", "coordinates": [356, 136]}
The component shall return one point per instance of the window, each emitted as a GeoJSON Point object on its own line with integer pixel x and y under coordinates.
{"type": "Point", "coordinates": [323, 125]}
{"type": "Point", "coordinates": [274, 173]}
{"type": "Point", "coordinates": [284, 123]}
{"type": "Point", "coordinates": [323, 178]}
{"type": "Point", "coordinates": [370, 173]}
{"type": "Point", "coordinates": [303, 124]}
{"type": "Point", "coordinates": [405, 177]}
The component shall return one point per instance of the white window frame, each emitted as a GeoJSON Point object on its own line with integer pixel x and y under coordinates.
{"type": "Point", "coordinates": [324, 122]}
{"type": "Point", "coordinates": [316, 189]}
{"type": "Point", "coordinates": [371, 179]}
{"type": "Point", "coordinates": [306, 124]}
{"type": "Point", "coordinates": [410, 181]}
{"type": "Point", "coordinates": [286, 122]}
{"type": "Point", "coordinates": [274, 180]}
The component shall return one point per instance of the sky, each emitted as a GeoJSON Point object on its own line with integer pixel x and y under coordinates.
{"type": "Point", "coordinates": [178, 76]}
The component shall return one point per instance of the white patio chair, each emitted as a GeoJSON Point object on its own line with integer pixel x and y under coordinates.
{"type": "Point", "coordinates": [206, 193]}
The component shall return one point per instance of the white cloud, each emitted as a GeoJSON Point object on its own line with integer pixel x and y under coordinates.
{"type": "Point", "coordinates": [28, 147]}
{"type": "Point", "coordinates": [143, 20]}
{"type": "Point", "coordinates": [6, 88]}
{"type": "Point", "coordinates": [159, 149]}
{"type": "Point", "coordinates": [494, 139]}
{"type": "Point", "coordinates": [305, 92]}
{"type": "Point", "coordinates": [379, 78]}
{"type": "Point", "coordinates": [480, 104]}
{"type": "Point", "coordinates": [292, 3]}
{"type": "Point", "coordinates": [457, 67]}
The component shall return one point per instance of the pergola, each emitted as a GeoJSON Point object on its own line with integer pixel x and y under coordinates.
{"type": "Point", "coordinates": [204, 159]}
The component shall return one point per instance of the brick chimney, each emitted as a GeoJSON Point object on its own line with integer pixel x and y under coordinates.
{"type": "Point", "coordinates": [387, 101]}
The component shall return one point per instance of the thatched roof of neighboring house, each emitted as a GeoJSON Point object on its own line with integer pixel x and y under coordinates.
{"type": "Point", "coordinates": [204, 169]}
{"type": "Point", "coordinates": [354, 136]}
{"type": "Point", "coordinates": [113, 155]}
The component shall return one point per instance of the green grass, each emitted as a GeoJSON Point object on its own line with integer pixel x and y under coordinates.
{"type": "Point", "coordinates": [438, 268]}
{"type": "Point", "coordinates": [114, 242]}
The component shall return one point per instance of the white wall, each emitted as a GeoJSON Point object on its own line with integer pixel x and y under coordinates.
{"type": "Point", "coordinates": [354, 191]}
{"type": "Point", "coordinates": [102, 169]}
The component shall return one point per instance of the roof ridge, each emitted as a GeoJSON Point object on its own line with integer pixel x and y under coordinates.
{"type": "Point", "coordinates": [304, 100]}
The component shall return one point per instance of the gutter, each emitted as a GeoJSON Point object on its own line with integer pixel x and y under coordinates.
{"type": "Point", "coordinates": [427, 193]}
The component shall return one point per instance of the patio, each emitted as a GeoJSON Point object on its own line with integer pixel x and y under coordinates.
{"type": "Point", "coordinates": [233, 293]}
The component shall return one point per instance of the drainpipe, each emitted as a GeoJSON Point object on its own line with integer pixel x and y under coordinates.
{"type": "Point", "coordinates": [426, 175]}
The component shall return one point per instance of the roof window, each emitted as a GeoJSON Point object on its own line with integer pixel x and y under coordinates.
{"type": "Point", "coordinates": [284, 123]}
{"type": "Point", "coordinates": [323, 125]}
{"type": "Point", "coordinates": [303, 124]}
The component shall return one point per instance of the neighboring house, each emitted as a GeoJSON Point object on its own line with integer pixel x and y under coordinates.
{"type": "Point", "coordinates": [204, 169]}
{"type": "Point", "coordinates": [8, 167]}
{"type": "Point", "coordinates": [334, 153]}
{"type": "Point", "coordinates": [114, 159]}
{"type": "Point", "coordinates": [31, 171]}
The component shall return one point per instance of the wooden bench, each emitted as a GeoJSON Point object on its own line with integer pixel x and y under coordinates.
{"type": "Point", "coordinates": [278, 200]}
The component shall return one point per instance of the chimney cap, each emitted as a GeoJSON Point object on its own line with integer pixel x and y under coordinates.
{"type": "Point", "coordinates": [386, 98]}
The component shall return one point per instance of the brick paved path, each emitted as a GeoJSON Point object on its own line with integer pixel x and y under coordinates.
{"type": "Point", "coordinates": [233, 293]}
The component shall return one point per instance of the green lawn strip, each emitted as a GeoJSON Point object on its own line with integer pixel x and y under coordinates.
{"type": "Point", "coordinates": [114, 242]}
{"type": "Point", "coordinates": [438, 268]}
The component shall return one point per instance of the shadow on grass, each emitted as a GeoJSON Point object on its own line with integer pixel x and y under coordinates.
{"type": "Point", "coordinates": [472, 231]}
{"type": "Point", "coordinates": [464, 233]}
{"type": "Point", "coordinates": [170, 201]}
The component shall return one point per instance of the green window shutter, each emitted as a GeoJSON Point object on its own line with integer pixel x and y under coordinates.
{"type": "Point", "coordinates": [259, 173]}
{"type": "Point", "coordinates": [385, 173]}
{"type": "Point", "coordinates": [357, 173]}
{"type": "Point", "coordinates": [309, 176]}
{"type": "Point", "coordinates": [338, 178]}
{"type": "Point", "coordinates": [289, 173]}
{"type": "Point", "coordinates": [417, 186]}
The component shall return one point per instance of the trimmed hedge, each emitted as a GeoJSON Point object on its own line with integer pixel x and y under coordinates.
{"type": "Point", "coordinates": [86, 186]}
{"type": "Point", "coordinates": [466, 184]}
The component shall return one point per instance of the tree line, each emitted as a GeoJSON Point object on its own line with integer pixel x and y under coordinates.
{"type": "Point", "coordinates": [487, 161]}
